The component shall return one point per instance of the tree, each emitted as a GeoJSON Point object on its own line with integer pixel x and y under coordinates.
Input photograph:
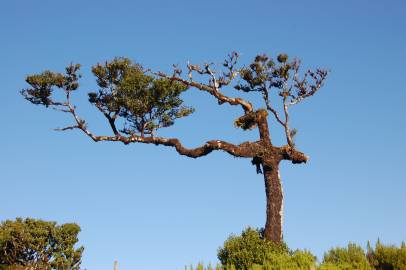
{"type": "Point", "coordinates": [37, 244]}
{"type": "Point", "coordinates": [147, 101]}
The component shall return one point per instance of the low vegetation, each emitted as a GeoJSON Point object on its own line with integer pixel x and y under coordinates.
{"type": "Point", "coordinates": [250, 251]}
{"type": "Point", "coordinates": [41, 245]}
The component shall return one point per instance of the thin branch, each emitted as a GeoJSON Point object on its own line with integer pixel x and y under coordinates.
{"type": "Point", "coordinates": [265, 95]}
{"type": "Point", "coordinates": [286, 125]}
{"type": "Point", "coordinates": [230, 64]}
{"type": "Point", "coordinates": [111, 119]}
{"type": "Point", "coordinates": [306, 90]}
{"type": "Point", "coordinates": [213, 77]}
{"type": "Point", "coordinates": [67, 128]}
{"type": "Point", "coordinates": [56, 108]}
{"type": "Point", "coordinates": [247, 106]}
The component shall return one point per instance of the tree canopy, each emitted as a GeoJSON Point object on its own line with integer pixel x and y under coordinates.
{"type": "Point", "coordinates": [39, 244]}
{"type": "Point", "coordinates": [137, 102]}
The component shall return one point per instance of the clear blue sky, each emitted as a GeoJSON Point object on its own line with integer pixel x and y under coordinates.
{"type": "Point", "coordinates": [152, 209]}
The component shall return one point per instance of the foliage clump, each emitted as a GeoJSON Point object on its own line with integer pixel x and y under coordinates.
{"type": "Point", "coordinates": [147, 103]}
{"type": "Point", "coordinates": [37, 244]}
{"type": "Point", "coordinates": [387, 257]}
{"type": "Point", "coordinates": [42, 85]}
{"type": "Point", "coordinates": [247, 121]}
{"type": "Point", "coordinates": [351, 257]}
{"type": "Point", "coordinates": [252, 251]}
{"type": "Point", "coordinates": [383, 257]}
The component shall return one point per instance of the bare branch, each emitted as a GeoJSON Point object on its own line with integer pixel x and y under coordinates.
{"type": "Point", "coordinates": [305, 89]}
{"type": "Point", "coordinates": [67, 128]}
{"type": "Point", "coordinates": [110, 118]}
{"type": "Point", "coordinates": [231, 73]}
{"type": "Point", "coordinates": [247, 106]}
{"type": "Point", "coordinates": [286, 125]}
{"type": "Point", "coordinates": [56, 108]}
{"type": "Point", "coordinates": [213, 77]}
{"type": "Point", "coordinates": [265, 95]}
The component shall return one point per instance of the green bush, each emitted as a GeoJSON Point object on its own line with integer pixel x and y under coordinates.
{"type": "Point", "coordinates": [201, 266]}
{"type": "Point", "coordinates": [31, 243]}
{"type": "Point", "coordinates": [298, 260]}
{"type": "Point", "coordinates": [252, 251]}
{"type": "Point", "coordinates": [352, 257]}
{"type": "Point", "coordinates": [387, 257]}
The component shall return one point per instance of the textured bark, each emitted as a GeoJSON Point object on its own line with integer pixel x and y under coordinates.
{"type": "Point", "coordinates": [274, 203]}
{"type": "Point", "coordinates": [262, 121]}
{"type": "Point", "coordinates": [270, 157]}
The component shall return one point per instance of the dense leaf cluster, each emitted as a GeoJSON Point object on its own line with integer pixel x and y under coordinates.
{"type": "Point", "coordinates": [43, 85]}
{"type": "Point", "coordinates": [251, 251]}
{"type": "Point", "coordinates": [39, 244]}
{"type": "Point", "coordinates": [387, 257]}
{"type": "Point", "coordinates": [351, 257]}
{"type": "Point", "coordinates": [147, 103]}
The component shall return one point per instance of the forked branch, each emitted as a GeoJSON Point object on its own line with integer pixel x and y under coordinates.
{"type": "Point", "coordinates": [214, 85]}
{"type": "Point", "coordinates": [264, 75]}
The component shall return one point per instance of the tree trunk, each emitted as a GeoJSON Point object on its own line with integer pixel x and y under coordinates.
{"type": "Point", "coordinates": [274, 202]}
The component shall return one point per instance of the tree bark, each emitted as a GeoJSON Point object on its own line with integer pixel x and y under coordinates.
{"type": "Point", "coordinates": [274, 202]}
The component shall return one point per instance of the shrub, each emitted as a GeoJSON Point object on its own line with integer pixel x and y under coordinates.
{"type": "Point", "coordinates": [387, 257]}
{"type": "Point", "coordinates": [39, 244]}
{"type": "Point", "coordinates": [352, 257]}
{"type": "Point", "coordinates": [201, 266]}
{"type": "Point", "coordinates": [298, 260]}
{"type": "Point", "coordinates": [252, 251]}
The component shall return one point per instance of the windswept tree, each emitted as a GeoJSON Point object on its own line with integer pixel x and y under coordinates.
{"type": "Point", "coordinates": [138, 102]}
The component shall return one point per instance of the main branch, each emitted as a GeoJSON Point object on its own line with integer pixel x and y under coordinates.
{"type": "Point", "coordinates": [247, 149]}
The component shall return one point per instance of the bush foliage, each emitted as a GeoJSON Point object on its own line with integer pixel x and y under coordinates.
{"type": "Point", "coordinates": [351, 257]}
{"type": "Point", "coordinates": [387, 257]}
{"type": "Point", "coordinates": [250, 251]}
{"type": "Point", "coordinates": [37, 244]}
{"type": "Point", "coordinates": [41, 245]}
